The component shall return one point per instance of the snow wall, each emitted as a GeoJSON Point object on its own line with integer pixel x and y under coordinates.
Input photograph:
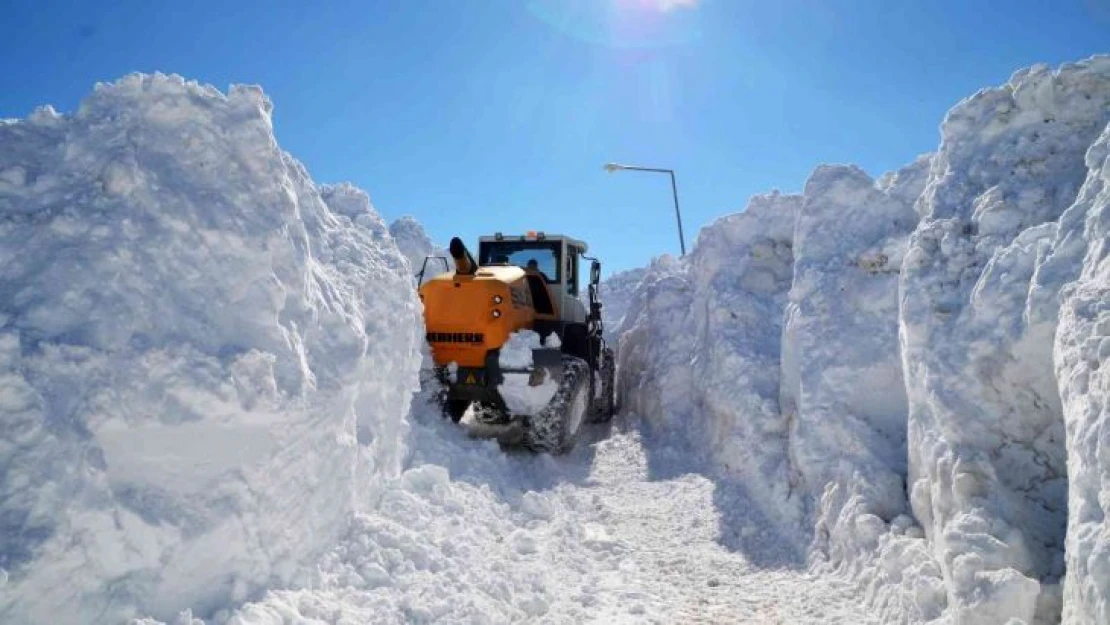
{"type": "Point", "coordinates": [416, 246]}
{"type": "Point", "coordinates": [912, 365]}
{"type": "Point", "coordinates": [615, 294]}
{"type": "Point", "coordinates": [1082, 364]}
{"type": "Point", "coordinates": [700, 348]}
{"type": "Point", "coordinates": [204, 357]}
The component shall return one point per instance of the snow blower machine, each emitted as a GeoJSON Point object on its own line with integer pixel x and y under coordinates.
{"type": "Point", "coordinates": [516, 351]}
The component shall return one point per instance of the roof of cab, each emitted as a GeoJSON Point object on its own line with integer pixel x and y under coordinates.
{"type": "Point", "coordinates": [540, 236]}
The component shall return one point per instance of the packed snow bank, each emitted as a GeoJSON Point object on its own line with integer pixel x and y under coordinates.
{"type": "Point", "coordinates": [191, 338]}
{"type": "Point", "coordinates": [842, 388]}
{"type": "Point", "coordinates": [988, 474]}
{"type": "Point", "coordinates": [701, 342]}
{"type": "Point", "coordinates": [616, 293]}
{"type": "Point", "coordinates": [1083, 369]}
{"type": "Point", "coordinates": [416, 246]}
{"type": "Point", "coordinates": [945, 375]}
{"type": "Point", "coordinates": [774, 344]}
{"type": "Point", "coordinates": [842, 385]}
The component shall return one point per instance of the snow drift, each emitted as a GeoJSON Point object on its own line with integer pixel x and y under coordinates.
{"type": "Point", "coordinates": [1083, 369]}
{"type": "Point", "coordinates": [700, 345]}
{"type": "Point", "coordinates": [987, 460]}
{"type": "Point", "coordinates": [192, 345]}
{"type": "Point", "coordinates": [416, 246]}
{"type": "Point", "coordinates": [615, 294]}
{"type": "Point", "coordinates": [942, 341]}
{"type": "Point", "coordinates": [842, 388]}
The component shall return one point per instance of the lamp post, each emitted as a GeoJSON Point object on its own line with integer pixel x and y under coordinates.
{"type": "Point", "coordinates": [615, 167]}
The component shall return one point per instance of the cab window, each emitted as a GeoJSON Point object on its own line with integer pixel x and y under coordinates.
{"type": "Point", "coordinates": [543, 257]}
{"type": "Point", "coordinates": [572, 272]}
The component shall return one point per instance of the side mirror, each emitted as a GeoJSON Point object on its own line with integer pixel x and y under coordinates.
{"type": "Point", "coordinates": [595, 272]}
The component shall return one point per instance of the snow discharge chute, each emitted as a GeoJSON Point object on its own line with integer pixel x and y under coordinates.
{"type": "Point", "coordinates": [464, 262]}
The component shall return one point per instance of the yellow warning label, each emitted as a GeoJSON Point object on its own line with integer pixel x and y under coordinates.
{"type": "Point", "coordinates": [470, 379]}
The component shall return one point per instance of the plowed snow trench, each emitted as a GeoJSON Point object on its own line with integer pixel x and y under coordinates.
{"type": "Point", "coordinates": [616, 531]}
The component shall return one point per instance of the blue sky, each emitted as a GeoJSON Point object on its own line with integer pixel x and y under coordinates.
{"type": "Point", "coordinates": [484, 115]}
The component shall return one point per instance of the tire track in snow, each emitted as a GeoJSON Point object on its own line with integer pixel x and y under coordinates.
{"type": "Point", "coordinates": [670, 531]}
{"type": "Point", "coordinates": [607, 534]}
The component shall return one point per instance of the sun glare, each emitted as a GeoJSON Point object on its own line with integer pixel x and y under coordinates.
{"type": "Point", "coordinates": [622, 23]}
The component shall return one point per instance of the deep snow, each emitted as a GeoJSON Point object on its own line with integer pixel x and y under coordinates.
{"type": "Point", "coordinates": [988, 465]}
{"type": "Point", "coordinates": [193, 342]}
{"type": "Point", "coordinates": [622, 530]}
{"type": "Point", "coordinates": [416, 246]}
{"type": "Point", "coordinates": [1082, 364]}
{"type": "Point", "coordinates": [699, 350]}
{"type": "Point", "coordinates": [615, 294]}
{"type": "Point", "coordinates": [842, 390]}
{"type": "Point", "coordinates": [871, 401]}
{"type": "Point", "coordinates": [919, 361]}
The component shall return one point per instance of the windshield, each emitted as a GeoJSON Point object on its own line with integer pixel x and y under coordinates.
{"type": "Point", "coordinates": [540, 256]}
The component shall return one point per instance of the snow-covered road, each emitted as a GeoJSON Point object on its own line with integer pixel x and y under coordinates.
{"type": "Point", "coordinates": [623, 529]}
{"type": "Point", "coordinates": [683, 544]}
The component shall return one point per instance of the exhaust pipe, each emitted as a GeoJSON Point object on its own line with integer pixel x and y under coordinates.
{"type": "Point", "coordinates": [464, 262]}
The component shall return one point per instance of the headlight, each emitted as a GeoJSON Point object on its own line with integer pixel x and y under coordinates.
{"type": "Point", "coordinates": [497, 299]}
{"type": "Point", "coordinates": [496, 313]}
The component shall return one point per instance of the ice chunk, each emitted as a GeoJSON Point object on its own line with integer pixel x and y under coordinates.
{"type": "Point", "coordinates": [520, 391]}
{"type": "Point", "coordinates": [516, 353]}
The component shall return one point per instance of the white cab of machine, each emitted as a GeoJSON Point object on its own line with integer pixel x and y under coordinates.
{"type": "Point", "coordinates": [557, 257]}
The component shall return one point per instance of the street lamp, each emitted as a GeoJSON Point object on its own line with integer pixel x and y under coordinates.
{"type": "Point", "coordinates": [615, 167]}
